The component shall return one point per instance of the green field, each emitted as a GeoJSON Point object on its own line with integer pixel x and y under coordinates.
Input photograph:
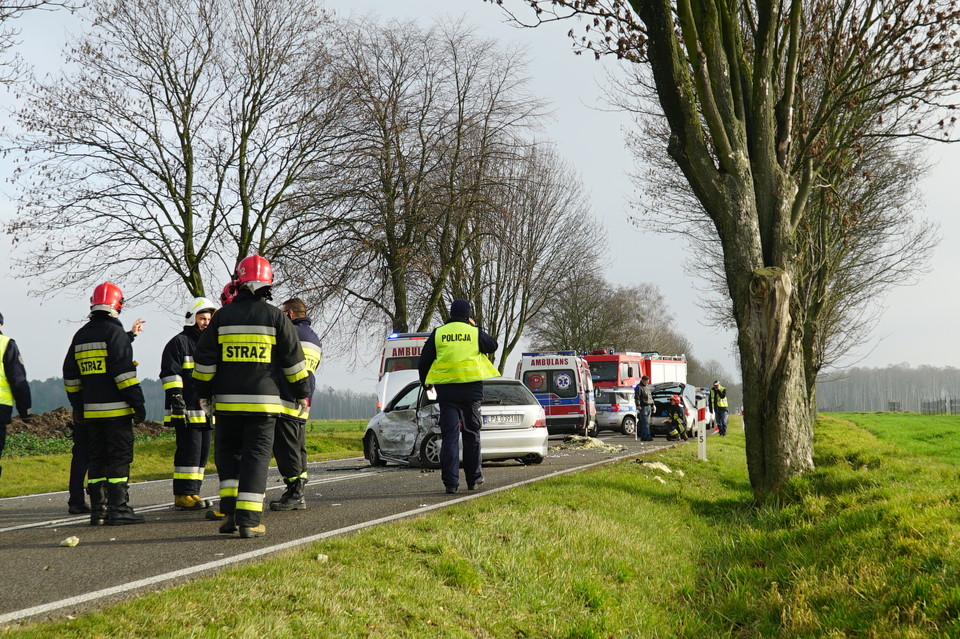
{"type": "Point", "coordinates": [864, 546]}
{"type": "Point", "coordinates": [32, 465]}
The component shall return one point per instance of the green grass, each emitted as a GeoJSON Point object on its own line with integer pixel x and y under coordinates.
{"type": "Point", "coordinates": [864, 546]}
{"type": "Point", "coordinates": [47, 469]}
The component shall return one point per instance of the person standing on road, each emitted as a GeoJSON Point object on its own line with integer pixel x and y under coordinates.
{"type": "Point", "coordinates": [100, 378]}
{"type": "Point", "coordinates": [14, 389]}
{"type": "Point", "coordinates": [182, 407]}
{"type": "Point", "coordinates": [454, 362]}
{"type": "Point", "coordinates": [241, 358]}
{"type": "Point", "coordinates": [290, 440]}
{"type": "Point", "coordinates": [80, 452]}
{"type": "Point", "coordinates": [718, 404]}
{"type": "Point", "coordinates": [643, 397]}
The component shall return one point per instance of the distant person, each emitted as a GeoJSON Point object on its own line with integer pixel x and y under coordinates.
{"type": "Point", "coordinates": [290, 440]}
{"type": "Point", "coordinates": [14, 389]}
{"type": "Point", "coordinates": [100, 378]}
{"type": "Point", "coordinates": [192, 427]}
{"type": "Point", "coordinates": [80, 452]}
{"type": "Point", "coordinates": [643, 397]}
{"type": "Point", "coordinates": [241, 357]}
{"type": "Point", "coordinates": [454, 362]}
{"type": "Point", "coordinates": [718, 404]}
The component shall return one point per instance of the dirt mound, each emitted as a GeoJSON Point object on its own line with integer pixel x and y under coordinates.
{"type": "Point", "coordinates": [59, 423]}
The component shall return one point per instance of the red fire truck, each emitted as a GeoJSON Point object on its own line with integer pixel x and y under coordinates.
{"type": "Point", "coordinates": [610, 369]}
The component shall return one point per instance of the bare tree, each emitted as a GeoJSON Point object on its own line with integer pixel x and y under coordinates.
{"type": "Point", "coordinates": [177, 127]}
{"type": "Point", "coordinates": [12, 69]}
{"type": "Point", "coordinates": [760, 98]}
{"type": "Point", "coordinates": [431, 110]}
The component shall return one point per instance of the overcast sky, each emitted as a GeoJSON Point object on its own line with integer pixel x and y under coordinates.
{"type": "Point", "coordinates": [916, 327]}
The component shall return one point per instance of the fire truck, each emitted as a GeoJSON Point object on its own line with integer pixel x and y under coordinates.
{"type": "Point", "coordinates": [610, 369]}
{"type": "Point", "coordinates": [561, 382]}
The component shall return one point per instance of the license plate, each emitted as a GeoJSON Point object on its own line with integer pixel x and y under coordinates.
{"type": "Point", "coordinates": [502, 419]}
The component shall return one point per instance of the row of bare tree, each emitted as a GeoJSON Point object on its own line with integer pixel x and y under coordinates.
{"type": "Point", "coordinates": [382, 168]}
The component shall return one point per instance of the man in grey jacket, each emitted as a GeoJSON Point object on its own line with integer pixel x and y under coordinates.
{"type": "Point", "coordinates": [644, 400]}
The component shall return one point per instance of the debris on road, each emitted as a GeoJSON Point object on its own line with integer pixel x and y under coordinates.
{"type": "Point", "coordinates": [70, 542]}
{"type": "Point", "coordinates": [655, 465]}
{"type": "Point", "coordinates": [579, 442]}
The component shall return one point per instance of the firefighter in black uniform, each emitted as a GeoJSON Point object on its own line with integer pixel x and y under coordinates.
{"type": "Point", "coordinates": [241, 358]}
{"type": "Point", "coordinates": [676, 422]}
{"type": "Point", "coordinates": [182, 407]}
{"type": "Point", "coordinates": [14, 389]}
{"type": "Point", "coordinates": [290, 442]}
{"type": "Point", "coordinates": [100, 378]}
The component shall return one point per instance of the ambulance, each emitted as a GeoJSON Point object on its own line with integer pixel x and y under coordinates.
{"type": "Point", "coordinates": [560, 380]}
{"type": "Point", "coordinates": [401, 352]}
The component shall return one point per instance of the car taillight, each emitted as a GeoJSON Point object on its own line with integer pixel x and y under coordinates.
{"type": "Point", "coordinates": [541, 420]}
{"type": "Point", "coordinates": [615, 408]}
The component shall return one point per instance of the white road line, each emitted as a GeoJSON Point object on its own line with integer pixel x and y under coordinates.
{"type": "Point", "coordinates": [220, 563]}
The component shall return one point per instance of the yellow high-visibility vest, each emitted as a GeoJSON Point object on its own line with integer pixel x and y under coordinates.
{"type": "Point", "coordinates": [6, 393]}
{"type": "Point", "coordinates": [459, 359]}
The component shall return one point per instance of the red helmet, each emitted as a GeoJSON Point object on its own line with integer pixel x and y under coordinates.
{"type": "Point", "coordinates": [107, 297]}
{"type": "Point", "coordinates": [674, 399]}
{"type": "Point", "coordinates": [254, 272]}
{"type": "Point", "coordinates": [229, 292]}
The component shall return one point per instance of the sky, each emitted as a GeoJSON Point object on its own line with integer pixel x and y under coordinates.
{"type": "Point", "coordinates": [915, 327]}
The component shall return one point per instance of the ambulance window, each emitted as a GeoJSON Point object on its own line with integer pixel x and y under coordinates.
{"type": "Point", "coordinates": [536, 381]}
{"type": "Point", "coordinates": [400, 364]}
{"type": "Point", "coordinates": [564, 383]}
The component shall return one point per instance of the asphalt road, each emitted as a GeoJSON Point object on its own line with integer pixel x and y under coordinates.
{"type": "Point", "coordinates": [45, 580]}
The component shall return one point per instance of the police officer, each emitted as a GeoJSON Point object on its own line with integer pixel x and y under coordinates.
{"type": "Point", "coordinates": [100, 378]}
{"type": "Point", "coordinates": [643, 397]}
{"type": "Point", "coordinates": [453, 361]}
{"type": "Point", "coordinates": [290, 441]}
{"type": "Point", "coordinates": [718, 404]}
{"type": "Point", "coordinates": [182, 407]}
{"type": "Point", "coordinates": [241, 357]}
{"type": "Point", "coordinates": [14, 389]}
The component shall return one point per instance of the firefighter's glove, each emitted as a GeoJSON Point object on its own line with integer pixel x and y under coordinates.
{"type": "Point", "coordinates": [303, 406]}
{"type": "Point", "coordinates": [177, 405]}
{"type": "Point", "coordinates": [139, 414]}
{"type": "Point", "coordinates": [207, 406]}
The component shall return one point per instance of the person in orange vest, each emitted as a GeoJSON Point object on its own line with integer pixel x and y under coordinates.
{"type": "Point", "coordinates": [14, 389]}
{"type": "Point", "coordinates": [454, 361]}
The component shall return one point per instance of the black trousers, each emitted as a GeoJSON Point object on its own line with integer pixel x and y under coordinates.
{"type": "Point", "coordinates": [453, 416]}
{"type": "Point", "coordinates": [111, 449]}
{"type": "Point", "coordinates": [290, 448]}
{"type": "Point", "coordinates": [190, 457]}
{"type": "Point", "coordinates": [79, 462]}
{"type": "Point", "coordinates": [242, 450]}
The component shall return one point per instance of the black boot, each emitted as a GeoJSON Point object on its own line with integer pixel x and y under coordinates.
{"type": "Point", "coordinates": [118, 512]}
{"type": "Point", "coordinates": [98, 503]}
{"type": "Point", "coordinates": [292, 498]}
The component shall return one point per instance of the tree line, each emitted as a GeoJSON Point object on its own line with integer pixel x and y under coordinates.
{"type": "Point", "coordinates": [327, 403]}
{"type": "Point", "coordinates": [898, 387]}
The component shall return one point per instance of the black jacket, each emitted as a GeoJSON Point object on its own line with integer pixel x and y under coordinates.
{"type": "Point", "coordinates": [176, 375]}
{"type": "Point", "coordinates": [312, 353]}
{"type": "Point", "coordinates": [465, 392]}
{"type": "Point", "coordinates": [245, 354]}
{"type": "Point", "coordinates": [99, 373]}
{"type": "Point", "coordinates": [643, 395]}
{"type": "Point", "coordinates": [16, 376]}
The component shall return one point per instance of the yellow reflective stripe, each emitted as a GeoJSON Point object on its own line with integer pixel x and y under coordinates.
{"type": "Point", "coordinates": [277, 409]}
{"type": "Point", "coordinates": [170, 385]}
{"type": "Point", "coordinates": [101, 414]}
{"type": "Point", "coordinates": [246, 338]}
{"type": "Point", "coordinates": [117, 480]}
{"type": "Point", "coordinates": [73, 389]}
{"type": "Point", "coordinates": [296, 377]}
{"type": "Point", "coordinates": [187, 366]}
{"type": "Point", "coordinates": [250, 501]}
{"type": "Point", "coordinates": [6, 392]}
{"type": "Point", "coordinates": [203, 377]}
{"type": "Point", "coordinates": [133, 381]}
{"type": "Point", "coordinates": [88, 354]}
{"type": "Point", "coordinates": [96, 480]}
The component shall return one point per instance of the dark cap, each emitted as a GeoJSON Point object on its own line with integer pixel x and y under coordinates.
{"type": "Point", "coordinates": [460, 308]}
{"type": "Point", "coordinates": [644, 378]}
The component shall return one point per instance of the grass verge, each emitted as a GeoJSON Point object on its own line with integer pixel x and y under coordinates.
{"type": "Point", "coordinates": [864, 546]}
{"type": "Point", "coordinates": [153, 457]}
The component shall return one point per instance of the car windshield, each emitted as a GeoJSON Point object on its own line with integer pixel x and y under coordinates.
{"type": "Point", "coordinates": [603, 371]}
{"type": "Point", "coordinates": [507, 394]}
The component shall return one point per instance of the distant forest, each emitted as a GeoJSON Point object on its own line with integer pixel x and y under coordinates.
{"type": "Point", "coordinates": [921, 389]}
{"type": "Point", "coordinates": [328, 403]}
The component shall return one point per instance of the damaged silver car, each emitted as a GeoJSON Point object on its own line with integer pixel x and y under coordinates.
{"type": "Point", "coordinates": [407, 431]}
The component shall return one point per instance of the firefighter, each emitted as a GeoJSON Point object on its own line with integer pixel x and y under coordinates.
{"type": "Point", "coordinates": [100, 378]}
{"type": "Point", "coordinates": [290, 441]}
{"type": "Point", "coordinates": [453, 360]}
{"type": "Point", "coordinates": [676, 422]}
{"type": "Point", "coordinates": [14, 389]}
{"type": "Point", "coordinates": [241, 357]}
{"type": "Point", "coordinates": [182, 408]}
{"type": "Point", "coordinates": [228, 293]}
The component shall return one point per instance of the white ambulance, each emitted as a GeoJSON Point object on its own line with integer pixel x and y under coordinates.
{"type": "Point", "coordinates": [561, 382]}
{"type": "Point", "coordinates": [401, 352]}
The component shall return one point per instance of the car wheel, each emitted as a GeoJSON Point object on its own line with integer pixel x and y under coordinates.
{"type": "Point", "coordinates": [531, 459]}
{"type": "Point", "coordinates": [371, 450]}
{"type": "Point", "coordinates": [629, 425]}
{"type": "Point", "coordinates": [430, 451]}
